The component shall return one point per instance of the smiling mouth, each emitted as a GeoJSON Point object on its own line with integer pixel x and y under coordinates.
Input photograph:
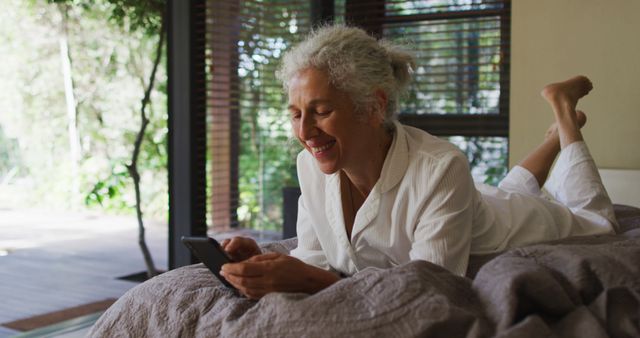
{"type": "Point", "coordinates": [320, 149]}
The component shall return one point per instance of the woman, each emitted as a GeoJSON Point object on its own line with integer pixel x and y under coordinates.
{"type": "Point", "coordinates": [376, 193]}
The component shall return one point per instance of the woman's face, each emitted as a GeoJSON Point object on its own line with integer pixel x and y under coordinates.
{"type": "Point", "coordinates": [325, 122]}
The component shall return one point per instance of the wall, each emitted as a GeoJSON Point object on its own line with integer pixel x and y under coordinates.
{"type": "Point", "coordinates": [555, 39]}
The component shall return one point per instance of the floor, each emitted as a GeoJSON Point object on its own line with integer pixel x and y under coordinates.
{"type": "Point", "coordinates": [51, 261]}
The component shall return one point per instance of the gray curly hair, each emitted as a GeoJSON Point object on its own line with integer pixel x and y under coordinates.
{"type": "Point", "coordinates": [355, 62]}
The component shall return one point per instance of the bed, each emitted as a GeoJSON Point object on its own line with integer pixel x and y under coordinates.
{"type": "Point", "coordinates": [575, 287]}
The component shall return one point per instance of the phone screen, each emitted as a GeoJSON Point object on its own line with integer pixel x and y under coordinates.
{"type": "Point", "coordinates": [209, 252]}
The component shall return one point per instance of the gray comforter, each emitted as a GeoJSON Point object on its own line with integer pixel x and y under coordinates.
{"type": "Point", "coordinates": [577, 287]}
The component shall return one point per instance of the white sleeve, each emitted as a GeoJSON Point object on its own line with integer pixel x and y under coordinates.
{"type": "Point", "coordinates": [309, 249]}
{"type": "Point", "coordinates": [443, 233]}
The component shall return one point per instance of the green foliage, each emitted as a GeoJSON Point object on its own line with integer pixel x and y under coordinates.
{"type": "Point", "coordinates": [495, 174]}
{"type": "Point", "coordinates": [9, 156]}
{"type": "Point", "coordinates": [145, 15]}
{"type": "Point", "coordinates": [110, 190]}
{"type": "Point", "coordinates": [135, 15]}
{"type": "Point", "coordinates": [488, 157]}
{"type": "Point", "coordinates": [110, 66]}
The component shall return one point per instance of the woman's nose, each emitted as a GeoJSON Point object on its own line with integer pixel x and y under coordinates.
{"type": "Point", "coordinates": [308, 127]}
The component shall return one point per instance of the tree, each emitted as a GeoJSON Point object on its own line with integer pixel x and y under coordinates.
{"type": "Point", "coordinates": [133, 167]}
{"type": "Point", "coordinates": [149, 16]}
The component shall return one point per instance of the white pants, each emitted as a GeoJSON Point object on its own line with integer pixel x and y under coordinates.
{"type": "Point", "coordinates": [575, 183]}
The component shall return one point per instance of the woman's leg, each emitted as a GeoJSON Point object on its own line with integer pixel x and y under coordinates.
{"type": "Point", "coordinates": [540, 160]}
{"type": "Point", "coordinates": [563, 97]}
{"type": "Point", "coordinates": [575, 181]}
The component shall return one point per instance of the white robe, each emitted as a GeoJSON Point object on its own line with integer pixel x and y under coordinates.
{"type": "Point", "coordinates": [426, 206]}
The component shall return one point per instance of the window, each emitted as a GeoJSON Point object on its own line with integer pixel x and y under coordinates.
{"type": "Point", "coordinates": [460, 90]}
{"type": "Point", "coordinates": [461, 83]}
{"type": "Point", "coordinates": [251, 154]}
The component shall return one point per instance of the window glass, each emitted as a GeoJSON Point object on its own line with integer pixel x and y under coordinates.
{"type": "Point", "coordinates": [457, 65]}
{"type": "Point", "coordinates": [488, 156]}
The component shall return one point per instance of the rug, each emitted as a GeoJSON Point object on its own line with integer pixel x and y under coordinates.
{"type": "Point", "coordinates": [39, 321]}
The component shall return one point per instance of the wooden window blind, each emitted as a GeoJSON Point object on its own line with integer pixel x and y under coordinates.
{"type": "Point", "coordinates": [461, 82]}
{"type": "Point", "coordinates": [250, 153]}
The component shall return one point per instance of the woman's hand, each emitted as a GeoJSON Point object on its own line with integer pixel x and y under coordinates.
{"type": "Point", "coordinates": [275, 272]}
{"type": "Point", "coordinates": [241, 248]}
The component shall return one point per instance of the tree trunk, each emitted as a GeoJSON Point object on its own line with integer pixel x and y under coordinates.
{"type": "Point", "coordinates": [72, 130]}
{"type": "Point", "coordinates": [133, 167]}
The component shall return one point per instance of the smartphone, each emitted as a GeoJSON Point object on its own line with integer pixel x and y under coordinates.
{"type": "Point", "coordinates": [209, 251]}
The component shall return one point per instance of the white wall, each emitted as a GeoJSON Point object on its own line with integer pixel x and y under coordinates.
{"type": "Point", "coordinates": [555, 39]}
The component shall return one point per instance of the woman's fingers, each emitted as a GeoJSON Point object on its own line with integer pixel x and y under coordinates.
{"type": "Point", "coordinates": [225, 243]}
{"type": "Point", "coordinates": [244, 269]}
{"type": "Point", "coordinates": [251, 278]}
{"type": "Point", "coordinates": [253, 287]}
{"type": "Point", "coordinates": [244, 282]}
{"type": "Point", "coordinates": [251, 292]}
{"type": "Point", "coordinates": [274, 272]}
{"type": "Point", "coordinates": [265, 257]}
{"type": "Point", "coordinates": [241, 248]}
{"type": "Point", "coordinates": [234, 244]}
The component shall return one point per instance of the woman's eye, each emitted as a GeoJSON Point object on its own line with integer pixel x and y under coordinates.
{"type": "Point", "coordinates": [324, 112]}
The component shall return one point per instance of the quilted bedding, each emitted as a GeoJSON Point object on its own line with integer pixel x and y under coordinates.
{"type": "Point", "coordinates": [576, 287]}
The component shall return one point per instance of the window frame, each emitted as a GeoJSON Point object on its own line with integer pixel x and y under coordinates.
{"type": "Point", "coordinates": [359, 12]}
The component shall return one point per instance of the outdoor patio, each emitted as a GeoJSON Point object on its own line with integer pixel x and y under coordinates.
{"type": "Point", "coordinates": [51, 261]}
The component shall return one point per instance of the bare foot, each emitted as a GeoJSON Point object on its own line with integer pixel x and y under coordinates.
{"type": "Point", "coordinates": [563, 98]}
{"type": "Point", "coordinates": [552, 132]}
{"type": "Point", "coordinates": [567, 93]}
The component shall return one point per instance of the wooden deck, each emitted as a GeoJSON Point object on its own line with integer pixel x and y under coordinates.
{"type": "Point", "coordinates": [53, 261]}
{"type": "Point", "coordinates": [50, 261]}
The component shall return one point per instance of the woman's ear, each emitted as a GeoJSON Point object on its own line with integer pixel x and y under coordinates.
{"type": "Point", "coordinates": [377, 115]}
